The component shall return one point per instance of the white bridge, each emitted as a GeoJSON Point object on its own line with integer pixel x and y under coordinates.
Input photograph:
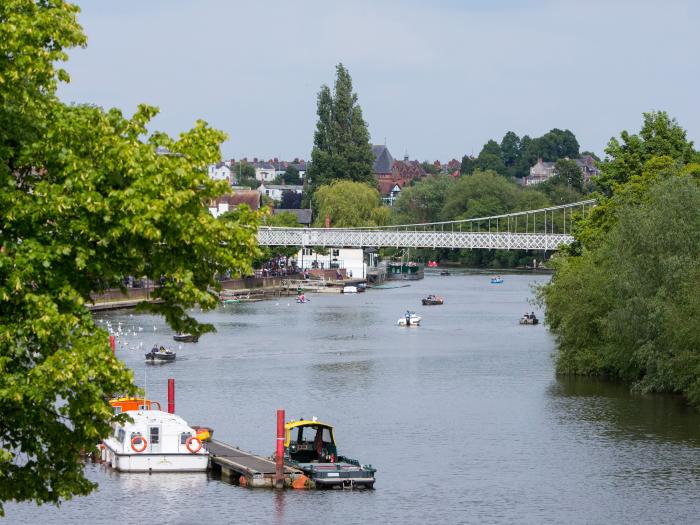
{"type": "Point", "coordinates": [543, 229]}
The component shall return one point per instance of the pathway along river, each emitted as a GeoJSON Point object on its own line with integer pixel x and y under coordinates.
{"type": "Point", "coordinates": [463, 417]}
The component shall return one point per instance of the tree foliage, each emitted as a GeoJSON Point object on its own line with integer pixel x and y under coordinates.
{"type": "Point", "coordinates": [424, 201]}
{"type": "Point", "coordinates": [624, 299]}
{"type": "Point", "coordinates": [349, 204]}
{"type": "Point", "coordinates": [291, 176]}
{"type": "Point", "coordinates": [86, 201]}
{"type": "Point", "coordinates": [660, 135]}
{"type": "Point", "coordinates": [341, 141]}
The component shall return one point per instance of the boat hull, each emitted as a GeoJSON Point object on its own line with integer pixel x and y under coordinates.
{"type": "Point", "coordinates": [339, 475]}
{"type": "Point", "coordinates": [154, 462]}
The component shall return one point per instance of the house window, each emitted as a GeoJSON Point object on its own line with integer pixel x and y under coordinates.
{"type": "Point", "coordinates": [307, 251]}
{"type": "Point", "coordinates": [336, 253]}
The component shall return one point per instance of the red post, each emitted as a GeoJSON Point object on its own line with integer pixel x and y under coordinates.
{"type": "Point", "coordinates": [171, 396]}
{"type": "Point", "coordinates": [112, 343]}
{"type": "Point", "coordinates": [328, 221]}
{"type": "Point", "coordinates": [279, 454]}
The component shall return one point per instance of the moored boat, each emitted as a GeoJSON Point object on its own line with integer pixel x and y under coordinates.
{"type": "Point", "coordinates": [445, 272]}
{"type": "Point", "coordinates": [496, 280]}
{"type": "Point", "coordinates": [309, 445]}
{"type": "Point", "coordinates": [349, 289]}
{"type": "Point", "coordinates": [185, 338]}
{"type": "Point", "coordinates": [432, 300]}
{"type": "Point", "coordinates": [154, 441]}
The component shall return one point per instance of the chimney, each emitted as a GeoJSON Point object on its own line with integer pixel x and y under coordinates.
{"type": "Point", "coordinates": [328, 221]}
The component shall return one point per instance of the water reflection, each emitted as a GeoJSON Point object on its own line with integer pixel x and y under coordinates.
{"type": "Point", "coordinates": [624, 414]}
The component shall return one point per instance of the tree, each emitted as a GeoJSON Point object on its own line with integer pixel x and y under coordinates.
{"type": "Point", "coordinates": [510, 148]}
{"type": "Point", "coordinates": [491, 158]}
{"type": "Point", "coordinates": [568, 172]}
{"type": "Point", "coordinates": [430, 168]}
{"type": "Point", "coordinates": [482, 194]}
{"type": "Point", "coordinates": [424, 201]}
{"type": "Point", "coordinates": [467, 166]}
{"type": "Point", "coordinates": [660, 135]}
{"type": "Point", "coordinates": [341, 141]}
{"type": "Point", "coordinates": [291, 200]}
{"type": "Point", "coordinates": [636, 307]}
{"type": "Point", "coordinates": [349, 204]}
{"type": "Point", "coordinates": [87, 198]}
{"type": "Point", "coordinates": [291, 176]}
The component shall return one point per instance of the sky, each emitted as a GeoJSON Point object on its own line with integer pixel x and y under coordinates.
{"type": "Point", "coordinates": [435, 79]}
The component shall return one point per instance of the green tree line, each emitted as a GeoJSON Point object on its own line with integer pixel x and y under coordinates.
{"type": "Point", "coordinates": [623, 302]}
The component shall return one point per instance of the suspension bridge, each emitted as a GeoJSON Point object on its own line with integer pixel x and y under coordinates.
{"type": "Point", "coordinates": [542, 229]}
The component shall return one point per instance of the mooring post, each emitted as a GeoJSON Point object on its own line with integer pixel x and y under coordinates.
{"type": "Point", "coordinates": [171, 396]}
{"type": "Point", "coordinates": [112, 343]}
{"type": "Point", "coordinates": [279, 454]}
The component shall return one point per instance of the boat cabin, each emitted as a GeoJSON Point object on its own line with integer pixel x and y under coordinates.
{"type": "Point", "coordinates": [122, 404]}
{"type": "Point", "coordinates": [309, 441]}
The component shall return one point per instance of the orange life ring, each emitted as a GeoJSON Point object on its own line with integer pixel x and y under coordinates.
{"type": "Point", "coordinates": [189, 441]}
{"type": "Point", "coordinates": [134, 440]}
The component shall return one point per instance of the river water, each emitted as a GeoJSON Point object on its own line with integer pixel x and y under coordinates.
{"type": "Point", "coordinates": [463, 417]}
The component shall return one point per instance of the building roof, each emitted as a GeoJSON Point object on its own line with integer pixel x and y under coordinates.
{"type": "Point", "coordinates": [382, 159]}
{"type": "Point", "coordinates": [408, 169]}
{"type": "Point", "coordinates": [387, 186]}
{"type": "Point", "coordinates": [303, 215]}
{"type": "Point", "coordinates": [283, 187]}
{"type": "Point", "coordinates": [250, 197]}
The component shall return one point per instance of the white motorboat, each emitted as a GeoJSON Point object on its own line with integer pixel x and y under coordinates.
{"type": "Point", "coordinates": [350, 289]}
{"type": "Point", "coordinates": [155, 441]}
{"type": "Point", "coordinates": [410, 319]}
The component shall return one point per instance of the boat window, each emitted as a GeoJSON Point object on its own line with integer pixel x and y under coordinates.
{"type": "Point", "coordinates": [121, 435]}
{"type": "Point", "coordinates": [184, 437]}
{"type": "Point", "coordinates": [138, 435]}
{"type": "Point", "coordinates": [155, 435]}
{"type": "Point", "coordinates": [326, 437]}
{"type": "Point", "coordinates": [142, 407]}
{"type": "Point", "coordinates": [117, 409]}
{"type": "Point", "coordinates": [298, 434]}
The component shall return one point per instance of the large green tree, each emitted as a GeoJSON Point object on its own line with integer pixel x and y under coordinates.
{"type": "Point", "coordinates": [348, 204]}
{"type": "Point", "coordinates": [424, 201]}
{"type": "Point", "coordinates": [342, 150]}
{"type": "Point", "coordinates": [660, 135]}
{"type": "Point", "coordinates": [87, 198]}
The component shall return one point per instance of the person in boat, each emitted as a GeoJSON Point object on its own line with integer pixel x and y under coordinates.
{"type": "Point", "coordinates": [301, 297]}
{"type": "Point", "coordinates": [408, 318]}
{"type": "Point", "coordinates": [532, 315]}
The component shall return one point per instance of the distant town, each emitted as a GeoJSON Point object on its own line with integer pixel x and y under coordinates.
{"type": "Point", "coordinates": [280, 183]}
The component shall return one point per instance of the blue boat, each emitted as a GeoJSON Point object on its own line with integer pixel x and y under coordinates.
{"type": "Point", "coordinates": [496, 280]}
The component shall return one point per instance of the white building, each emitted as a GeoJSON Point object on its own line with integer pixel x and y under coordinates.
{"type": "Point", "coordinates": [265, 171]}
{"type": "Point", "coordinates": [354, 260]}
{"type": "Point", "coordinates": [275, 191]}
{"type": "Point", "coordinates": [221, 171]}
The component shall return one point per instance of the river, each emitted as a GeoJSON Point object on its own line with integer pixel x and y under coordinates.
{"type": "Point", "coordinates": [463, 417]}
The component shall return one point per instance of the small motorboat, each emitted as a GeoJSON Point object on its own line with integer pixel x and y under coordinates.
{"type": "Point", "coordinates": [529, 319]}
{"type": "Point", "coordinates": [349, 289]}
{"type": "Point", "coordinates": [309, 445]}
{"type": "Point", "coordinates": [301, 299]}
{"type": "Point", "coordinates": [445, 272]}
{"type": "Point", "coordinates": [409, 319]}
{"type": "Point", "coordinates": [496, 280]}
{"type": "Point", "coordinates": [161, 354]}
{"type": "Point", "coordinates": [185, 338]}
{"type": "Point", "coordinates": [432, 300]}
{"type": "Point", "coordinates": [361, 287]}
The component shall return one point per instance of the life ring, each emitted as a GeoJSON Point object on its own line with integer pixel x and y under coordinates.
{"type": "Point", "coordinates": [189, 441]}
{"type": "Point", "coordinates": [136, 439]}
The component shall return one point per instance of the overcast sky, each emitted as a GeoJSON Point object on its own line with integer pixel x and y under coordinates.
{"type": "Point", "coordinates": [434, 79]}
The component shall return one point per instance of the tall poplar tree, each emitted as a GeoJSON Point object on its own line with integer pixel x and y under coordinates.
{"type": "Point", "coordinates": [341, 142]}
